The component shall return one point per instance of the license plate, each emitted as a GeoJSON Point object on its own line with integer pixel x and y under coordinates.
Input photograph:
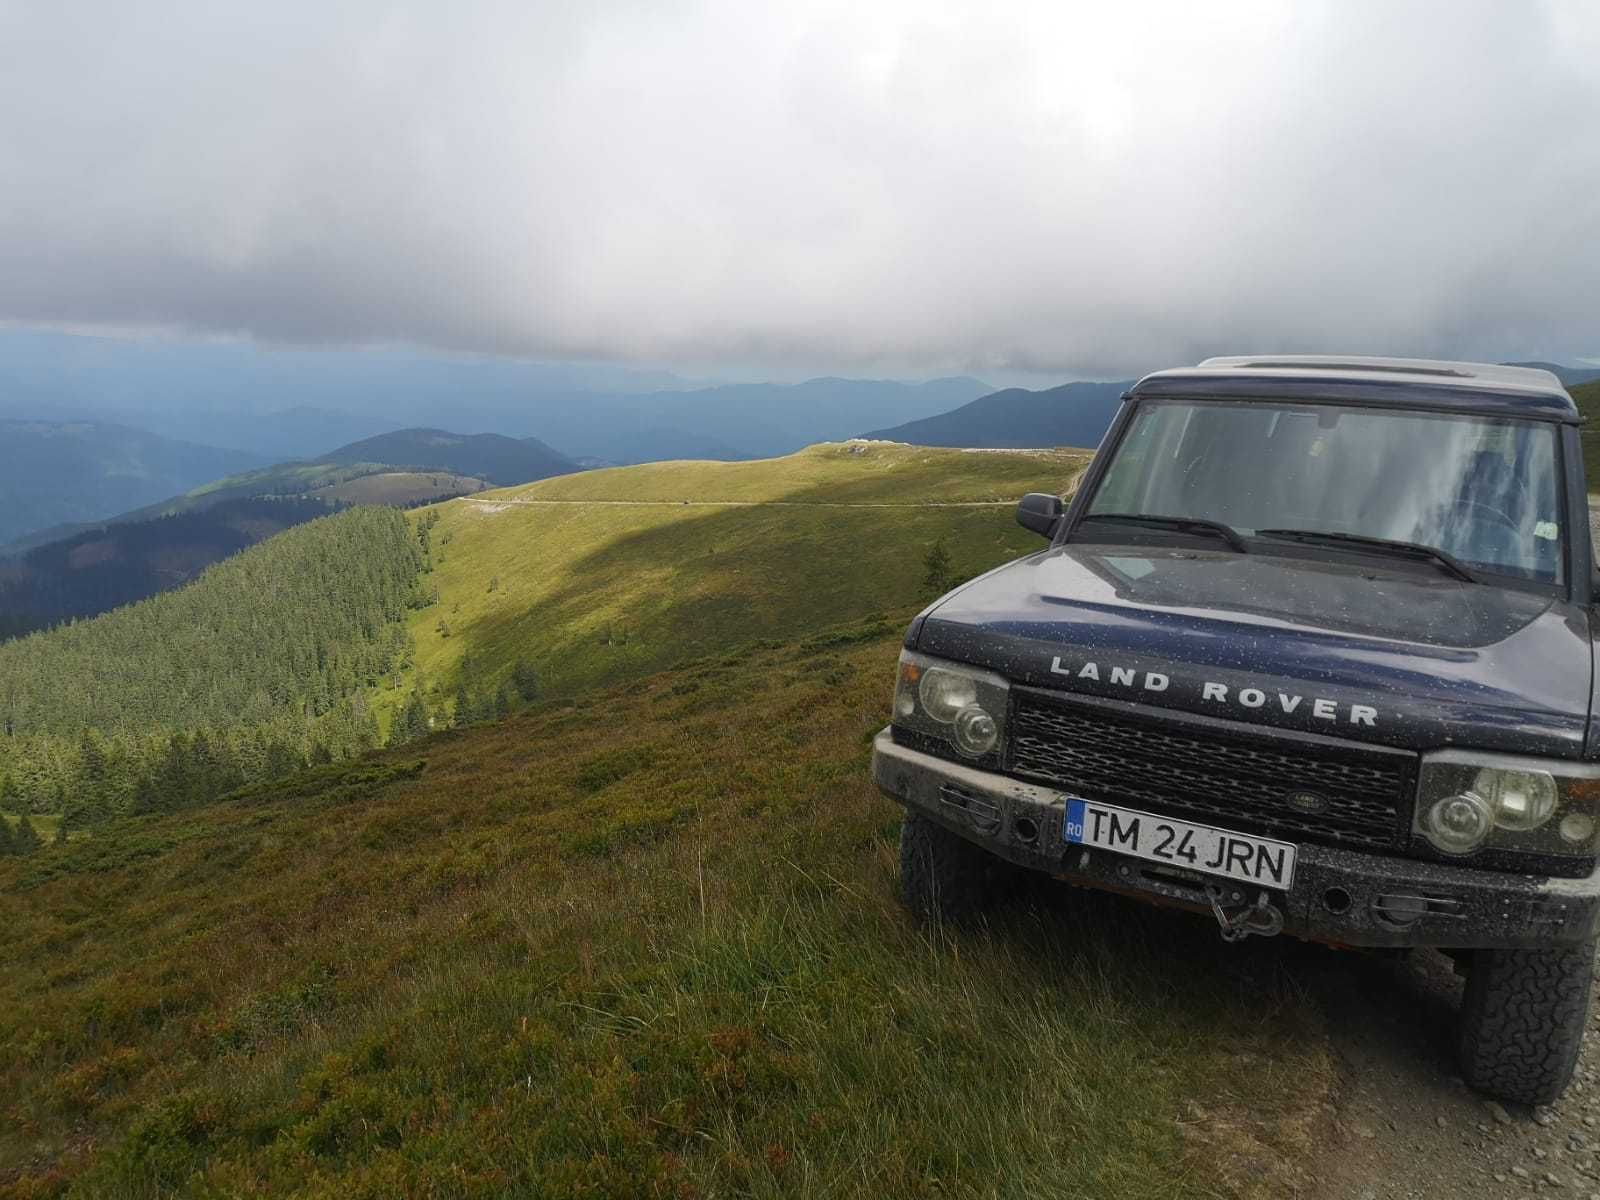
{"type": "Point", "coordinates": [1204, 848]}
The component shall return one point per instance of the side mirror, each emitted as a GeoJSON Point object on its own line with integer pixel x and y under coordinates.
{"type": "Point", "coordinates": [1040, 512]}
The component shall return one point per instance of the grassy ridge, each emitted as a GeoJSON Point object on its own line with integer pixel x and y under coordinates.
{"type": "Point", "coordinates": [402, 488]}
{"type": "Point", "coordinates": [644, 944]}
{"type": "Point", "coordinates": [1588, 397]}
{"type": "Point", "coordinates": [594, 592]}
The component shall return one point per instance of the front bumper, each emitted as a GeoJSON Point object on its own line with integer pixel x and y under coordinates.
{"type": "Point", "coordinates": [1339, 896]}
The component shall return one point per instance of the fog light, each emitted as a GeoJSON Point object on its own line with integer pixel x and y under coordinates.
{"type": "Point", "coordinates": [976, 732]}
{"type": "Point", "coordinates": [1577, 828]}
{"type": "Point", "coordinates": [1456, 824]}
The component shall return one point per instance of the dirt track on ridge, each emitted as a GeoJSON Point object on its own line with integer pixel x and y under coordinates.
{"type": "Point", "coordinates": [1407, 1128]}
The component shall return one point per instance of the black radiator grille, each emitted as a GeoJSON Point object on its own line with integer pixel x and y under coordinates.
{"type": "Point", "coordinates": [1237, 781]}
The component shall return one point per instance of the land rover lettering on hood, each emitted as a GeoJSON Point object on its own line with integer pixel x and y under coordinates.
{"type": "Point", "coordinates": [1311, 651]}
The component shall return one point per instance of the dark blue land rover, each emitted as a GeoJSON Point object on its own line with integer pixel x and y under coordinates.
{"type": "Point", "coordinates": [1312, 649]}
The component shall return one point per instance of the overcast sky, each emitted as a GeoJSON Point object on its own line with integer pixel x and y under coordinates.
{"type": "Point", "coordinates": [911, 186]}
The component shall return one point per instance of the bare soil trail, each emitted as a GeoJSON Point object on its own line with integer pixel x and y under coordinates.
{"type": "Point", "coordinates": [1406, 1127]}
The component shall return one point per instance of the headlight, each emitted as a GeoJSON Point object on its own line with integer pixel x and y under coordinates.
{"type": "Point", "coordinates": [945, 692]}
{"type": "Point", "coordinates": [1521, 800]}
{"type": "Point", "coordinates": [961, 705]}
{"type": "Point", "coordinates": [1468, 801]}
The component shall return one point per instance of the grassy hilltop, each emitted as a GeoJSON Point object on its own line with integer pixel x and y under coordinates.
{"type": "Point", "coordinates": [601, 576]}
{"type": "Point", "coordinates": [1588, 397]}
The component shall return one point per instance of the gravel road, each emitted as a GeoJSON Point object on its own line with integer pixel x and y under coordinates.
{"type": "Point", "coordinates": [1406, 1127]}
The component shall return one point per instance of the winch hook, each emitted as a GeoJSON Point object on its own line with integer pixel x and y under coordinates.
{"type": "Point", "coordinates": [1263, 918]}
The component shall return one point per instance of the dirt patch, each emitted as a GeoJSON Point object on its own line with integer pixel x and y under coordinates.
{"type": "Point", "coordinates": [1407, 1127]}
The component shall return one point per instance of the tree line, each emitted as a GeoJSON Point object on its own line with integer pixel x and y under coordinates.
{"type": "Point", "coordinates": [102, 569]}
{"type": "Point", "coordinates": [259, 667]}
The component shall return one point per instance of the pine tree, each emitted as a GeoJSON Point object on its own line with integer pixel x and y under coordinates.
{"type": "Point", "coordinates": [174, 781]}
{"type": "Point", "coordinates": [411, 722]}
{"type": "Point", "coordinates": [8, 841]}
{"type": "Point", "coordinates": [464, 712]}
{"type": "Point", "coordinates": [146, 798]}
{"type": "Point", "coordinates": [937, 578]}
{"type": "Point", "coordinates": [10, 794]}
{"type": "Point", "coordinates": [26, 838]}
{"type": "Point", "coordinates": [61, 831]}
{"type": "Point", "coordinates": [282, 759]}
{"type": "Point", "coordinates": [502, 702]}
{"type": "Point", "coordinates": [525, 679]}
{"type": "Point", "coordinates": [94, 775]}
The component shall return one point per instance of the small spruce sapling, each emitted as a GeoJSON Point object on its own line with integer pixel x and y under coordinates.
{"type": "Point", "coordinates": [938, 577]}
{"type": "Point", "coordinates": [525, 679]}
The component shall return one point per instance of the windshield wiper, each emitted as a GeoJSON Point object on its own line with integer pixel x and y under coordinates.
{"type": "Point", "coordinates": [1356, 541]}
{"type": "Point", "coordinates": [1179, 524]}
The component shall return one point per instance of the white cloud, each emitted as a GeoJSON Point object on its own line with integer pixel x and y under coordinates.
{"type": "Point", "coordinates": [1088, 188]}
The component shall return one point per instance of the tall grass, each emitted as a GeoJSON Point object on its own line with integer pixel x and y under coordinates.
{"type": "Point", "coordinates": [645, 943]}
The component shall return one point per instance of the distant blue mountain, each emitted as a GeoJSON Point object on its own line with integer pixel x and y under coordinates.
{"type": "Point", "coordinates": [283, 404]}
{"type": "Point", "coordinates": [745, 420]}
{"type": "Point", "coordinates": [1074, 414]}
{"type": "Point", "coordinates": [1570, 376]}
{"type": "Point", "coordinates": [66, 472]}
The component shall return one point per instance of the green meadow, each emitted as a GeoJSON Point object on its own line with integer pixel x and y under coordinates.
{"type": "Point", "coordinates": [644, 942]}
{"type": "Point", "coordinates": [606, 575]}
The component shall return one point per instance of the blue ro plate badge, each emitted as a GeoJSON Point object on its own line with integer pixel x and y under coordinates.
{"type": "Point", "coordinates": [1214, 851]}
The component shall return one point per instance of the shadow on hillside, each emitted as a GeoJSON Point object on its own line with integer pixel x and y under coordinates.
{"type": "Point", "coordinates": [719, 579]}
{"type": "Point", "coordinates": [729, 577]}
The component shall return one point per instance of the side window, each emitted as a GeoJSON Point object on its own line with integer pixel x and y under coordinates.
{"type": "Point", "coordinates": [1120, 490]}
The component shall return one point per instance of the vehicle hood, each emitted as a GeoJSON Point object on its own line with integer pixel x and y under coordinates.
{"type": "Point", "coordinates": [1391, 656]}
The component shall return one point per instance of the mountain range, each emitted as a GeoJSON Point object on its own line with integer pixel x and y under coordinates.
{"type": "Point", "coordinates": [293, 404]}
{"type": "Point", "coordinates": [1074, 414]}
{"type": "Point", "coordinates": [754, 420]}
{"type": "Point", "coordinates": [490, 456]}
{"type": "Point", "coordinates": [63, 472]}
{"type": "Point", "coordinates": [1570, 377]}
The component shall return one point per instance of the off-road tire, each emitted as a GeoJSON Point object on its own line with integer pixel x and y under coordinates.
{"type": "Point", "coordinates": [944, 877]}
{"type": "Point", "coordinates": [1522, 1020]}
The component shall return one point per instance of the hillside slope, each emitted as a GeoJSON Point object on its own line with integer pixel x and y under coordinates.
{"type": "Point", "coordinates": [123, 562]}
{"type": "Point", "coordinates": [57, 473]}
{"type": "Point", "coordinates": [1588, 397]}
{"type": "Point", "coordinates": [265, 660]}
{"type": "Point", "coordinates": [645, 944]}
{"type": "Point", "coordinates": [406, 467]}
{"type": "Point", "coordinates": [490, 456]}
{"type": "Point", "coordinates": [313, 642]}
{"type": "Point", "coordinates": [607, 574]}
{"type": "Point", "coordinates": [1074, 414]}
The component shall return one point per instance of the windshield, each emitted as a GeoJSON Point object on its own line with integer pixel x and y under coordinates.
{"type": "Point", "coordinates": [1482, 491]}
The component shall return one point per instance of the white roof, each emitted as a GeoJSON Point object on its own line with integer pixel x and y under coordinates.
{"type": "Point", "coordinates": [1433, 371]}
